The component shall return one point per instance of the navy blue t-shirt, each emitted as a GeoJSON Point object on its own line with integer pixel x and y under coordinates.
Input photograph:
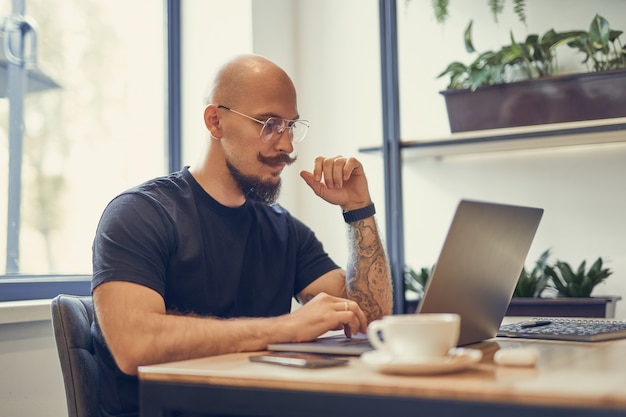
{"type": "Point", "coordinates": [202, 257]}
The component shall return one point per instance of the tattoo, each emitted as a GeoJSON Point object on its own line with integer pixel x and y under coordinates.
{"type": "Point", "coordinates": [368, 280]}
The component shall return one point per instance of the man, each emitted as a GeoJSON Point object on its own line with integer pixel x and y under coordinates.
{"type": "Point", "coordinates": [201, 262]}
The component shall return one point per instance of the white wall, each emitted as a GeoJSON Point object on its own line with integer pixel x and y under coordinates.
{"type": "Point", "coordinates": [579, 187]}
{"type": "Point", "coordinates": [211, 31]}
{"type": "Point", "coordinates": [340, 93]}
{"type": "Point", "coordinates": [336, 69]}
{"type": "Point", "coordinates": [338, 73]}
{"type": "Point", "coordinates": [336, 66]}
{"type": "Point", "coordinates": [31, 384]}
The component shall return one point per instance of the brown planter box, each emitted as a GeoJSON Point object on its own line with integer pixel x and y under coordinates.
{"type": "Point", "coordinates": [567, 98]}
{"type": "Point", "coordinates": [563, 307]}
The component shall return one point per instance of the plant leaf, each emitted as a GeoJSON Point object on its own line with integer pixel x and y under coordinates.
{"type": "Point", "coordinates": [532, 284]}
{"type": "Point", "coordinates": [454, 67]}
{"type": "Point", "coordinates": [566, 272]}
{"type": "Point", "coordinates": [519, 7]}
{"type": "Point", "coordinates": [556, 281]}
{"type": "Point", "coordinates": [496, 7]}
{"type": "Point", "coordinates": [599, 32]}
{"type": "Point", "coordinates": [614, 34]}
{"type": "Point", "coordinates": [469, 46]}
{"type": "Point", "coordinates": [552, 39]}
{"type": "Point", "coordinates": [440, 8]}
{"type": "Point", "coordinates": [581, 269]}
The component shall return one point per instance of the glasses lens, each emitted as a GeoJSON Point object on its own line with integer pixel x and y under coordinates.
{"type": "Point", "coordinates": [274, 127]}
{"type": "Point", "coordinates": [298, 131]}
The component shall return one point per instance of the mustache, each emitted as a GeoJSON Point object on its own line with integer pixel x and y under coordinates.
{"type": "Point", "coordinates": [282, 158]}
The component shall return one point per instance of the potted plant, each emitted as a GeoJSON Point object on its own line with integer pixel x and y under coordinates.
{"type": "Point", "coordinates": [517, 85]}
{"type": "Point", "coordinates": [557, 291]}
{"type": "Point", "coordinates": [548, 290]}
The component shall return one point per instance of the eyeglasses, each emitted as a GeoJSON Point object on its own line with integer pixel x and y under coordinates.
{"type": "Point", "coordinates": [274, 127]}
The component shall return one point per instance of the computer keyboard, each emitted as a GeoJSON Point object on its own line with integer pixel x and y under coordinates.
{"type": "Point", "coordinates": [581, 330]}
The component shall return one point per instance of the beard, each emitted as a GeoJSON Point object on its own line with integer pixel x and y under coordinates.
{"type": "Point", "coordinates": [253, 187]}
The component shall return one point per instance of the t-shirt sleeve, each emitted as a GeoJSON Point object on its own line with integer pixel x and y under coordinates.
{"type": "Point", "coordinates": [312, 259]}
{"type": "Point", "coordinates": [133, 241]}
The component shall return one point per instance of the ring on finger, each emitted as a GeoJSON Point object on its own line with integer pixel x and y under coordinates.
{"type": "Point", "coordinates": [345, 305]}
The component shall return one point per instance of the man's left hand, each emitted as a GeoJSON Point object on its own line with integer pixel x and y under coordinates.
{"type": "Point", "coordinates": [340, 181]}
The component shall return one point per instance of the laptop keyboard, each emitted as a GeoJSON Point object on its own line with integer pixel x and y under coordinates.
{"type": "Point", "coordinates": [344, 341]}
{"type": "Point", "coordinates": [584, 330]}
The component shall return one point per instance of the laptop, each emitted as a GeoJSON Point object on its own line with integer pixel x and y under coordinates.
{"type": "Point", "coordinates": [475, 275]}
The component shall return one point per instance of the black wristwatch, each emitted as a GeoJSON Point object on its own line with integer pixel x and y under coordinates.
{"type": "Point", "coordinates": [359, 214]}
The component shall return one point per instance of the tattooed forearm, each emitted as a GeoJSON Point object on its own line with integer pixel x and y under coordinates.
{"type": "Point", "coordinates": [368, 279]}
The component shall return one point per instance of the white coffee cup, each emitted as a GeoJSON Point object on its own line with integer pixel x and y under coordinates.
{"type": "Point", "coordinates": [415, 337]}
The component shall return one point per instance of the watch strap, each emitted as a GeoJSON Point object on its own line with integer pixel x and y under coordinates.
{"type": "Point", "coordinates": [359, 214]}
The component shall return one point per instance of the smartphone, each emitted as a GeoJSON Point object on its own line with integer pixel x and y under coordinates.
{"type": "Point", "coordinates": [299, 360]}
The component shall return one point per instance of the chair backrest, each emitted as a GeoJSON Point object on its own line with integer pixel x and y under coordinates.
{"type": "Point", "coordinates": [71, 320]}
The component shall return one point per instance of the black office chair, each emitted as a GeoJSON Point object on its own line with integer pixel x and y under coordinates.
{"type": "Point", "coordinates": [71, 320]}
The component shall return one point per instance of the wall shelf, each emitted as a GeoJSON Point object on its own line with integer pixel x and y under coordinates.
{"type": "Point", "coordinates": [519, 138]}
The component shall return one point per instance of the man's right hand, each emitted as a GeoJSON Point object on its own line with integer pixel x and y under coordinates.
{"type": "Point", "coordinates": [325, 312]}
{"type": "Point", "coordinates": [139, 331]}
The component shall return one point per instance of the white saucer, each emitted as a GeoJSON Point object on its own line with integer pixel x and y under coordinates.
{"type": "Point", "coordinates": [457, 360]}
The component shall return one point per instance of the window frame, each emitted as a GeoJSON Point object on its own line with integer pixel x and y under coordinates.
{"type": "Point", "coordinates": [31, 287]}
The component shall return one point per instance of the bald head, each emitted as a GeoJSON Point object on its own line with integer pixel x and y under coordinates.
{"type": "Point", "coordinates": [241, 78]}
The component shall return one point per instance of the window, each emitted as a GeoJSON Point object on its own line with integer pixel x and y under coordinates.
{"type": "Point", "coordinates": [102, 131]}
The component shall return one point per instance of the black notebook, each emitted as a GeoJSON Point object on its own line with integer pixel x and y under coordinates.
{"type": "Point", "coordinates": [578, 330]}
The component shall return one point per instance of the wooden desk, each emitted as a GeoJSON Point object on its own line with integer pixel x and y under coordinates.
{"type": "Point", "coordinates": [571, 379]}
